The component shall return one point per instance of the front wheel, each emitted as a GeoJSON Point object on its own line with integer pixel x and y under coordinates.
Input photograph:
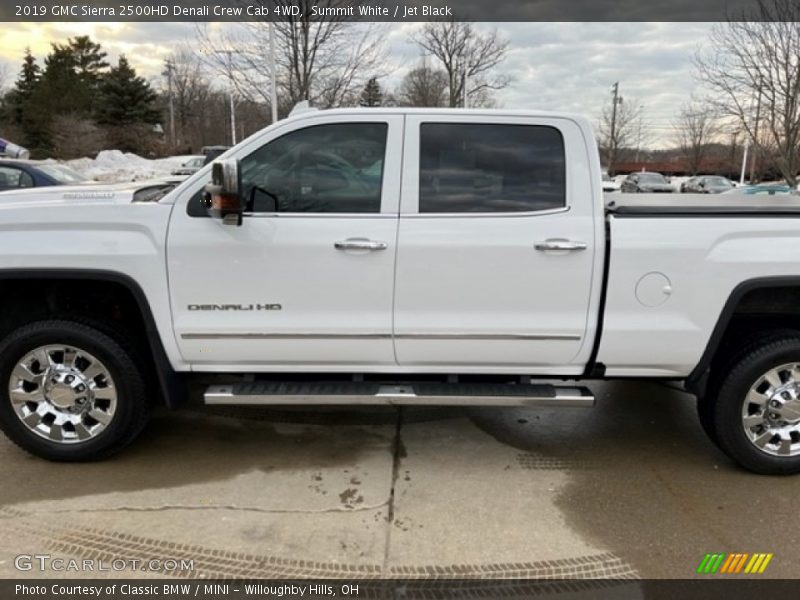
{"type": "Point", "coordinates": [755, 413]}
{"type": "Point", "coordinates": [69, 392]}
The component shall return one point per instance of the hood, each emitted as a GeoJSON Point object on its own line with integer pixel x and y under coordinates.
{"type": "Point", "coordinates": [90, 193]}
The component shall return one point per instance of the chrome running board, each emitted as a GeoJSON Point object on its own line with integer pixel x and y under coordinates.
{"type": "Point", "coordinates": [435, 394]}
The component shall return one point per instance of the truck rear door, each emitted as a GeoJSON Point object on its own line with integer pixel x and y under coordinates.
{"type": "Point", "coordinates": [497, 244]}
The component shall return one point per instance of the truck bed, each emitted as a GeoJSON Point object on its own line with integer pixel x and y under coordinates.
{"type": "Point", "coordinates": [701, 204]}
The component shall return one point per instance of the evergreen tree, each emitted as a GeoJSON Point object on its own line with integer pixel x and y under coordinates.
{"type": "Point", "coordinates": [372, 95]}
{"type": "Point", "coordinates": [125, 98]}
{"type": "Point", "coordinates": [20, 106]}
{"type": "Point", "coordinates": [88, 57]}
{"type": "Point", "coordinates": [71, 78]}
{"type": "Point", "coordinates": [29, 75]}
{"type": "Point", "coordinates": [20, 95]}
{"type": "Point", "coordinates": [62, 90]}
{"type": "Point", "coordinates": [68, 85]}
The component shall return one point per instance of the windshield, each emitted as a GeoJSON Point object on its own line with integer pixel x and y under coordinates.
{"type": "Point", "coordinates": [62, 174]}
{"type": "Point", "coordinates": [652, 178]}
{"type": "Point", "coordinates": [718, 181]}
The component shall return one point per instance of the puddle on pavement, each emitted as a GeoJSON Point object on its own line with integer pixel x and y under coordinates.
{"type": "Point", "coordinates": [646, 484]}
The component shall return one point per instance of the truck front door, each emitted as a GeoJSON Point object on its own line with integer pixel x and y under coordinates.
{"type": "Point", "coordinates": [306, 282]}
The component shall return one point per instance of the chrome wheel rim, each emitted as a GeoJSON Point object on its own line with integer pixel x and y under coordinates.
{"type": "Point", "coordinates": [63, 394]}
{"type": "Point", "coordinates": [771, 411]}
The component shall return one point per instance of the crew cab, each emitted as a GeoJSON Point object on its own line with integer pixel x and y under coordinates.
{"type": "Point", "coordinates": [398, 256]}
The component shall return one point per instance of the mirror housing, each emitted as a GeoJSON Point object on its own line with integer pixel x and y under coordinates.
{"type": "Point", "coordinates": [223, 195]}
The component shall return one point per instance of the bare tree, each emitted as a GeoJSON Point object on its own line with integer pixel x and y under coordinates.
{"type": "Point", "coordinates": [465, 54]}
{"type": "Point", "coordinates": [695, 127]}
{"type": "Point", "coordinates": [190, 91]}
{"type": "Point", "coordinates": [75, 136]}
{"type": "Point", "coordinates": [752, 66]}
{"type": "Point", "coordinates": [617, 129]}
{"type": "Point", "coordinates": [325, 60]}
{"type": "Point", "coordinates": [423, 86]}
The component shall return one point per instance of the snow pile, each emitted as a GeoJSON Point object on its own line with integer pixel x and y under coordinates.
{"type": "Point", "coordinates": [113, 166]}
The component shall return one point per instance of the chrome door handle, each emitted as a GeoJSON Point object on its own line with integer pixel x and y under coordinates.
{"type": "Point", "coordinates": [559, 244]}
{"type": "Point", "coordinates": [360, 244]}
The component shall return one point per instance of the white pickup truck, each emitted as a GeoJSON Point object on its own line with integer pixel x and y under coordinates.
{"type": "Point", "coordinates": [458, 257]}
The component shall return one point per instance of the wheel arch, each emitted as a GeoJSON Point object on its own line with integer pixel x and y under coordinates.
{"type": "Point", "coordinates": [171, 383]}
{"type": "Point", "coordinates": [753, 305]}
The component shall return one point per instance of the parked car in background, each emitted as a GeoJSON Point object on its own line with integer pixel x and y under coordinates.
{"type": "Point", "coordinates": [191, 166]}
{"type": "Point", "coordinates": [646, 182]}
{"type": "Point", "coordinates": [707, 184]}
{"type": "Point", "coordinates": [16, 174]}
{"type": "Point", "coordinates": [610, 184]}
{"type": "Point", "coordinates": [763, 189]}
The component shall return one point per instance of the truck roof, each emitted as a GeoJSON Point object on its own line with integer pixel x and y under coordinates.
{"type": "Point", "coordinates": [456, 112]}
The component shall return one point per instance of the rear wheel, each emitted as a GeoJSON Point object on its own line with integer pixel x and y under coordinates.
{"type": "Point", "coordinates": [755, 411]}
{"type": "Point", "coordinates": [70, 392]}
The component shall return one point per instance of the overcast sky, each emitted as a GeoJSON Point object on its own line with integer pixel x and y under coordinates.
{"type": "Point", "coordinates": [553, 66]}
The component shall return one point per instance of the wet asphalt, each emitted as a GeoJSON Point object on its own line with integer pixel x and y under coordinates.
{"type": "Point", "coordinates": [631, 488]}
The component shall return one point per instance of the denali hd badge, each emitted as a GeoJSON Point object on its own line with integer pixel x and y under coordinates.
{"type": "Point", "coordinates": [240, 307]}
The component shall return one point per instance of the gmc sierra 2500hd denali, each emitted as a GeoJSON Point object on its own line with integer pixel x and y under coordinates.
{"type": "Point", "coordinates": [396, 256]}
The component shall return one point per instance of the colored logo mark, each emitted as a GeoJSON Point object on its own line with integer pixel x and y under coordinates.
{"type": "Point", "coordinates": [737, 563]}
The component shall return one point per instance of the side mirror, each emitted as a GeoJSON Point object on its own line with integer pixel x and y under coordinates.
{"type": "Point", "coordinates": [223, 195]}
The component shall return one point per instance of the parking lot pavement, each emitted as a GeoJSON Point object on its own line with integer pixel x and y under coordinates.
{"type": "Point", "coordinates": [629, 489]}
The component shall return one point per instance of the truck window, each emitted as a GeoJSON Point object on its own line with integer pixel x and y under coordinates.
{"type": "Point", "coordinates": [335, 168]}
{"type": "Point", "coordinates": [488, 168]}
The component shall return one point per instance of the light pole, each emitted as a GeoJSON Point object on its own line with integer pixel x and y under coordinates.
{"type": "Point", "coordinates": [744, 161]}
{"type": "Point", "coordinates": [168, 70]}
{"type": "Point", "coordinates": [639, 131]}
{"type": "Point", "coordinates": [229, 54]}
{"type": "Point", "coordinates": [273, 100]}
{"type": "Point", "coordinates": [612, 158]}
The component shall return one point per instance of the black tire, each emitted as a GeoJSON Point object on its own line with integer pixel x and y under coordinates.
{"type": "Point", "coordinates": [132, 408]}
{"type": "Point", "coordinates": [721, 409]}
{"type": "Point", "coordinates": [725, 363]}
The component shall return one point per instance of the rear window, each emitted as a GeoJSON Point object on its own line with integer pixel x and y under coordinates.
{"type": "Point", "coordinates": [652, 178]}
{"type": "Point", "coordinates": [487, 168]}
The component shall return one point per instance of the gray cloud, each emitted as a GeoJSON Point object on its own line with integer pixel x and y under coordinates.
{"type": "Point", "coordinates": [553, 66]}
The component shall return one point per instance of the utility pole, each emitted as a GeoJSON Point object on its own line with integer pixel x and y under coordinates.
{"type": "Point", "coordinates": [466, 75]}
{"type": "Point", "coordinates": [613, 150]}
{"type": "Point", "coordinates": [755, 132]}
{"type": "Point", "coordinates": [466, 78]}
{"type": "Point", "coordinates": [168, 70]}
{"type": "Point", "coordinates": [233, 121]}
